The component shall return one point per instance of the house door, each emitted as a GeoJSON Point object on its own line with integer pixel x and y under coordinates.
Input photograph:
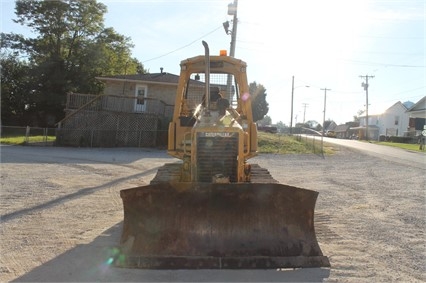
{"type": "Point", "coordinates": [140, 101]}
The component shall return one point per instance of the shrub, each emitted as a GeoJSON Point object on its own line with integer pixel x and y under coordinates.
{"type": "Point", "coordinates": [400, 139]}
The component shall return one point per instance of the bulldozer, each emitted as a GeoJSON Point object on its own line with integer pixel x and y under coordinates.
{"type": "Point", "coordinates": [212, 209]}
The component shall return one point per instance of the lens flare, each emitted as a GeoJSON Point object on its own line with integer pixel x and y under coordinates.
{"type": "Point", "coordinates": [114, 256]}
{"type": "Point", "coordinates": [245, 96]}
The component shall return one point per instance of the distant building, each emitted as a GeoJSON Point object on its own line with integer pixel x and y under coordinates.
{"type": "Point", "coordinates": [417, 118]}
{"type": "Point", "coordinates": [373, 128]}
{"type": "Point", "coordinates": [342, 131]}
{"type": "Point", "coordinates": [393, 122]}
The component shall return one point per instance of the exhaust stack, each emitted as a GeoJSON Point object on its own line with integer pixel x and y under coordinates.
{"type": "Point", "coordinates": [207, 72]}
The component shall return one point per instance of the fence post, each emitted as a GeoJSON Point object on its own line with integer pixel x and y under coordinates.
{"type": "Point", "coordinates": [27, 134]}
{"type": "Point", "coordinates": [45, 136]}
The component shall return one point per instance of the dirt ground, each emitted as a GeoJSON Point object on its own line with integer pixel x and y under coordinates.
{"type": "Point", "coordinates": [61, 215]}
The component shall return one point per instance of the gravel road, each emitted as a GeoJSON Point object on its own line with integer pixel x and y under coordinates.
{"type": "Point", "coordinates": [61, 215]}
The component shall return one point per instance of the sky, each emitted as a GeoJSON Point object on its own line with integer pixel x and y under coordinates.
{"type": "Point", "coordinates": [326, 44]}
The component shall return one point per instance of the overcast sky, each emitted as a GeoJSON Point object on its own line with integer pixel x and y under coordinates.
{"type": "Point", "coordinates": [323, 44]}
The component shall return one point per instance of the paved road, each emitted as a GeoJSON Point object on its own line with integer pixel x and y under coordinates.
{"type": "Point", "coordinates": [417, 159]}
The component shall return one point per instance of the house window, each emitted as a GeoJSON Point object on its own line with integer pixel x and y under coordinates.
{"type": "Point", "coordinates": [140, 101]}
{"type": "Point", "coordinates": [396, 120]}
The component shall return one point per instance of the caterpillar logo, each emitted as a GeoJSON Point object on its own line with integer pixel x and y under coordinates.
{"type": "Point", "coordinates": [223, 134]}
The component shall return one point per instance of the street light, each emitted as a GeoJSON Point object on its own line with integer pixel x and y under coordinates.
{"type": "Point", "coordinates": [292, 95]}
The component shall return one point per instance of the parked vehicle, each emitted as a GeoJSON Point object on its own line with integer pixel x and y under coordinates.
{"type": "Point", "coordinates": [331, 134]}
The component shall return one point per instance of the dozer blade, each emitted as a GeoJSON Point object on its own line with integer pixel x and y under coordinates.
{"type": "Point", "coordinates": [212, 226]}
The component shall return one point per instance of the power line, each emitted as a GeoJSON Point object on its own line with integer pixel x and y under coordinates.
{"type": "Point", "coordinates": [383, 64]}
{"type": "Point", "coordinates": [180, 48]}
{"type": "Point", "coordinates": [409, 90]}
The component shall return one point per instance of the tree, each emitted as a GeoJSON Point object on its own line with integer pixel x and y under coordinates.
{"type": "Point", "coordinates": [265, 121]}
{"type": "Point", "coordinates": [70, 49]}
{"type": "Point", "coordinates": [281, 127]}
{"type": "Point", "coordinates": [16, 86]}
{"type": "Point", "coordinates": [259, 105]}
{"type": "Point", "coordinates": [359, 113]}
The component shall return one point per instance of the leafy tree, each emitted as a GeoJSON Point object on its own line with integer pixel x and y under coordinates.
{"type": "Point", "coordinates": [70, 49]}
{"type": "Point", "coordinates": [259, 105]}
{"type": "Point", "coordinates": [16, 86]}
{"type": "Point", "coordinates": [359, 113]}
{"type": "Point", "coordinates": [265, 121]}
{"type": "Point", "coordinates": [281, 127]}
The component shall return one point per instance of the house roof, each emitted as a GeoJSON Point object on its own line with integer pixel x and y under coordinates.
{"type": "Point", "coordinates": [408, 104]}
{"type": "Point", "coordinates": [341, 128]}
{"type": "Point", "coordinates": [163, 78]}
{"type": "Point", "coordinates": [418, 110]}
{"type": "Point", "coordinates": [397, 104]}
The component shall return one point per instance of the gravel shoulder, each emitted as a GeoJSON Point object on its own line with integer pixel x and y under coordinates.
{"type": "Point", "coordinates": [61, 216]}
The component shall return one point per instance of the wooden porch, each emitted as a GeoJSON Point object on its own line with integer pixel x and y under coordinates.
{"type": "Point", "coordinates": [113, 120]}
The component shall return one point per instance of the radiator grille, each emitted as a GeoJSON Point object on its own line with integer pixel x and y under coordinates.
{"type": "Point", "coordinates": [217, 154]}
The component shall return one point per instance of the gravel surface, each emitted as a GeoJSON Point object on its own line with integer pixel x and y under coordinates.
{"type": "Point", "coordinates": [61, 215]}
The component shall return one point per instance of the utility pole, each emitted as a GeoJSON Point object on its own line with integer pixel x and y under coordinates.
{"type": "Point", "coordinates": [323, 120]}
{"type": "Point", "coordinates": [365, 86]}
{"type": "Point", "coordinates": [232, 11]}
{"type": "Point", "coordinates": [325, 101]}
{"type": "Point", "coordinates": [304, 111]}
{"type": "Point", "coordinates": [292, 94]}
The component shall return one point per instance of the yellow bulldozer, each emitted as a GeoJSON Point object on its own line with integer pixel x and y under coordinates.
{"type": "Point", "coordinates": [213, 209]}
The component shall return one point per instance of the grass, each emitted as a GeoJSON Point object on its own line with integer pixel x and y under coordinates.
{"type": "Point", "coordinates": [267, 143]}
{"type": "Point", "coordinates": [273, 143]}
{"type": "Point", "coordinates": [20, 140]}
{"type": "Point", "coordinates": [407, 146]}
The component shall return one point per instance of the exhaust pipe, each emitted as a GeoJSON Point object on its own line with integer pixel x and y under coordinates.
{"type": "Point", "coordinates": [207, 73]}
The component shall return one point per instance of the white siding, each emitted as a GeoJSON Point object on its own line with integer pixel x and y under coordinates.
{"type": "Point", "coordinates": [394, 121]}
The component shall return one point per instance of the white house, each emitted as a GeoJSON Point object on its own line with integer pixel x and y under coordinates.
{"type": "Point", "coordinates": [373, 128]}
{"type": "Point", "coordinates": [417, 114]}
{"type": "Point", "coordinates": [393, 122]}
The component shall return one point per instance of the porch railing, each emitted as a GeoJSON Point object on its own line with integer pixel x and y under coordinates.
{"type": "Point", "coordinates": [77, 102]}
